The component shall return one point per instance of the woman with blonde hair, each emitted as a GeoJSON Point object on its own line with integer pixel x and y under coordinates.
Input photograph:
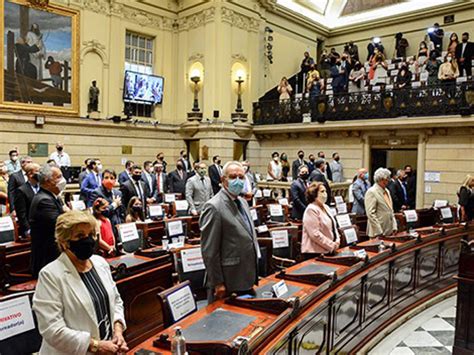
{"type": "Point", "coordinates": [3, 188]}
{"type": "Point", "coordinates": [466, 198]}
{"type": "Point", "coordinates": [77, 303]}
{"type": "Point", "coordinates": [447, 74]}
{"type": "Point", "coordinates": [284, 89]}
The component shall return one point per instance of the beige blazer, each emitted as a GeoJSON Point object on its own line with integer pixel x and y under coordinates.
{"type": "Point", "coordinates": [380, 217]}
{"type": "Point", "coordinates": [64, 308]}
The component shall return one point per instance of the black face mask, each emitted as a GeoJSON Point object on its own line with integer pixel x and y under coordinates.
{"type": "Point", "coordinates": [179, 167]}
{"type": "Point", "coordinates": [304, 176]}
{"type": "Point", "coordinates": [312, 160]}
{"type": "Point", "coordinates": [301, 156]}
{"type": "Point", "coordinates": [36, 177]}
{"type": "Point", "coordinates": [60, 149]}
{"type": "Point", "coordinates": [136, 208]}
{"type": "Point", "coordinates": [218, 162]}
{"type": "Point", "coordinates": [83, 248]}
{"type": "Point", "coordinates": [136, 177]}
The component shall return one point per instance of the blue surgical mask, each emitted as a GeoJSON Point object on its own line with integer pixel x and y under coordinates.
{"type": "Point", "coordinates": [236, 186]}
{"type": "Point", "coordinates": [366, 176]}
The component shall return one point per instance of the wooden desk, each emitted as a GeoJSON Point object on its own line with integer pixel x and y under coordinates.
{"type": "Point", "coordinates": [339, 313]}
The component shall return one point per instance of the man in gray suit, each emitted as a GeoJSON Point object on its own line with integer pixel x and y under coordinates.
{"type": "Point", "coordinates": [228, 239]}
{"type": "Point", "coordinates": [198, 190]}
{"type": "Point", "coordinates": [359, 189]}
{"type": "Point", "coordinates": [379, 207]}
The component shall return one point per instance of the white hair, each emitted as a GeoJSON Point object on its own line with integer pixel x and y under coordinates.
{"type": "Point", "coordinates": [229, 164]}
{"type": "Point", "coordinates": [381, 174]}
{"type": "Point", "coordinates": [45, 173]}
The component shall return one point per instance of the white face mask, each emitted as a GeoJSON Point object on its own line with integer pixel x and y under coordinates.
{"type": "Point", "coordinates": [449, 59]}
{"type": "Point", "coordinates": [99, 167]}
{"type": "Point", "coordinates": [323, 197]}
{"type": "Point", "coordinates": [61, 184]}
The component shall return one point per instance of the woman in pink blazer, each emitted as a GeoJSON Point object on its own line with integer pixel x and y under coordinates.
{"type": "Point", "coordinates": [320, 235]}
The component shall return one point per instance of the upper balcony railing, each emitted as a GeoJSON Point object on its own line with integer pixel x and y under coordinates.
{"type": "Point", "coordinates": [443, 99]}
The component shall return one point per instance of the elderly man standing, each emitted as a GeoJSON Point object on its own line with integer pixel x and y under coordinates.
{"type": "Point", "coordinates": [378, 205]}
{"type": "Point", "coordinates": [24, 196]}
{"type": "Point", "coordinates": [228, 239]}
{"type": "Point", "coordinates": [359, 189]}
{"type": "Point", "coordinates": [44, 210]}
{"type": "Point", "coordinates": [198, 190]}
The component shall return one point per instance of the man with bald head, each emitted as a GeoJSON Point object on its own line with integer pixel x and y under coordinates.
{"type": "Point", "coordinates": [228, 239]}
{"type": "Point", "coordinates": [24, 196]}
{"type": "Point", "coordinates": [359, 189]}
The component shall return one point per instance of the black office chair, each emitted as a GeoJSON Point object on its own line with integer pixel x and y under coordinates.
{"type": "Point", "coordinates": [195, 277]}
{"type": "Point", "coordinates": [130, 245]}
{"type": "Point", "coordinates": [164, 299]}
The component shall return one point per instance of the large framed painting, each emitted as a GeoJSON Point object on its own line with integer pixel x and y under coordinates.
{"type": "Point", "coordinates": [40, 58]}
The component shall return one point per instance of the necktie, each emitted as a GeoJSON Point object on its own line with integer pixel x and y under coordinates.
{"type": "Point", "coordinates": [98, 179]}
{"type": "Point", "coordinates": [405, 196]}
{"type": "Point", "coordinates": [244, 216]}
{"type": "Point", "coordinates": [158, 183]}
{"type": "Point", "coordinates": [387, 199]}
{"type": "Point", "coordinates": [139, 190]}
{"type": "Point", "coordinates": [202, 180]}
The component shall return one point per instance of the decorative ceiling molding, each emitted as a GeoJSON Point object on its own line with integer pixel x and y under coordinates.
{"type": "Point", "coordinates": [96, 47]}
{"type": "Point", "coordinates": [197, 19]}
{"type": "Point", "coordinates": [239, 57]}
{"type": "Point", "coordinates": [195, 57]}
{"type": "Point", "coordinates": [239, 20]}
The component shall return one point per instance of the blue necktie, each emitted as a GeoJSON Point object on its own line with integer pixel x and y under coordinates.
{"type": "Point", "coordinates": [244, 216]}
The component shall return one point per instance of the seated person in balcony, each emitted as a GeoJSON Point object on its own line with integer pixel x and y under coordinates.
{"type": "Point", "coordinates": [78, 306]}
{"type": "Point", "coordinates": [284, 89]}
{"type": "Point", "coordinates": [325, 65]}
{"type": "Point", "coordinates": [379, 207]}
{"type": "Point", "coordinates": [432, 68]}
{"type": "Point", "coordinates": [315, 87]}
{"type": "Point", "coordinates": [106, 232]}
{"type": "Point", "coordinates": [466, 199]}
{"type": "Point", "coordinates": [306, 63]}
{"type": "Point", "coordinates": [298, 193]}
{"type": "Point", "coordinates": [134, 211]}
{"type": "Point", "coordinates": [357, 78]}
{"type": "Point", "coordinates": [320, 235]}
{"type": "Point", "coordinates": [274, 168]}
{"type": "Point", "coordinates": [448, 72]}
{"type": "Point", "coordinates": [423, 53]}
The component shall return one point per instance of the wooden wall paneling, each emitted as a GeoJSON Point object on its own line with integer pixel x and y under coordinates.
{"type": "Point", "coordinates": [313, 335]}
{"type": "Point", "coordinates": [376, 292]}
{"type": "Point", "coordinates": [403, 276]}
{"type": "Point", "coordinates": [427, 265]}
{"type": "Point", "coordinates": [450, 251]}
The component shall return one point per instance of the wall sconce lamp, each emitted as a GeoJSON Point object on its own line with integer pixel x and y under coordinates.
{"type": "Point", "coordinates": [240, 79]}
{"type": "Point", "coordinates": [196, 78]}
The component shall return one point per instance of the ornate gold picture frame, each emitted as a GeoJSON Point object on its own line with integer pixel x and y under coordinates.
{"type": "Point", "coordinates": [40, 57]}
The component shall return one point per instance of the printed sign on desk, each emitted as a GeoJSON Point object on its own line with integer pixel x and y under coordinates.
{"type": "Point", "coordinates": [78, 205]}
{"type": "Point", "coordinates": [181, 303]}
{"type": "Point", "coordinates": [253, 214]}
{"type": "Point", "coordinates": [280, 288]}
{"type": "Point", "coordinates": [175, 228]}
{"type": "Point", "coordinates": [15, 317]}
{"type": "Point", "coordinates": [276, 210]}
{"type": "Point", "coordinates": [440, 203]}
{"type": "Point", "coordinates": [155, 210]}
{"type": "Point", "coordinates": [262, 229]}
{"type": "Point", "coordinates": [170, 198]}
{"type": "Point", "coordinates": [341, 208]}
{"type": "Point", "coordinates": [128, 232]}
{"type": "Point", "coordinates": [181, 205]}
{"type": "Point", "coordinates": [280, 239]}
{"type": "Point", "coordinates": [343, 220]}
{"type": "Point", "coordinates": [351, 235]}
{"type": "Point", "coordinates": [258, 194]}
{"type": "Point", "coordinates": [283, 202]}
{"type": "Point", "coordinates": [446, 212]}
{"type": "Point", "coordinates": [267, 193]}
{"type": "Point", "coordinates": [192, 260]}
{"type": "Point", "coordinates": [338, 199]}
{"type": "Point", "coordinates": [411, 216]}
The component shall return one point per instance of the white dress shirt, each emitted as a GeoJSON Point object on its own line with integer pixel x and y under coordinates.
{"type": "Point", "coordinates": [61, 159]}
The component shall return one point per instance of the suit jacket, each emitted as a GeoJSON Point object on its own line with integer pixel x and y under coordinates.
{"type": "Point", "coordinates": [198, 193]}
{"type": "Point", "coordinates": [397, 195]}
{"type": "Point", "coordinates": [23, 198]}
{"type": "Point", "coordinates": [411, 190]}
{"type": "Point", "coordinates": [186, 164]}
{"type": "Point", "coordinates": [128, 190]}
{"type": "Point", "coordinates": [359, 189]}
{"type": "Point", "coordinates": [320, 233]}
{"type": "Point", "coordinates": [337, 171]}
{"type": "Point", "coordinates": [468, 52]}
{"type": "Point", "coordinates": [294, 167]}
{"type": "Point", "coordinates": [229, 248]}
{"type": "Point", "coordinates": [14, 182]}
{"type": "Point", "coordinates": [311, 166]}
{"type": "Point", "coordinates": [116, 215]}
{"type": "Point", "coordinates": [298, 198]}
{"type": "Point", "coordinates": [88, 186]}
{"type": "Point", "coordinates": [150, 182]}
{"type": "Point", "coordinates": [215, 178]}
{"type": "Point", "coordinates": [177, 184]}
{"type": "Point", "coordinates": [83, 175]}
{"type": "Point", "coordinates": [123, 177]}
{"type": "Point", "coordinates": [380, 217]}
{"type": "Point", "coordinates": [317, 175]}
{"type": "Point", "coordinates": [158, 196]}
{"type": "Point", "coordinates": [44, 211]}
{"type": "Point", "coordinates": [65, 311]}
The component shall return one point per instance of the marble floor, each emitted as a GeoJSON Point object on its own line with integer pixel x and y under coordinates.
{"type": "Point", "coordinates": [428, 333]}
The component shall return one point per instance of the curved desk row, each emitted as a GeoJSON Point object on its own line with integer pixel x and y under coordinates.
{"type": "Point", "coordinates": [333, 304]}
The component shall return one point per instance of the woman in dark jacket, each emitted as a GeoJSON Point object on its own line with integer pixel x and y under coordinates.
{"type": "Point", "coordinates": [466, 199]}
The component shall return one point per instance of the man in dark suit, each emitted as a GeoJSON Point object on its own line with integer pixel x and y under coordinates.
{"type": "Point", "coordinates": [411, 186]}
{"type": "Point", "coordinates": [44, 210]}
{"type": "Point", "coordinates": [215, 173]}
{"type": "Point", "coordinates": [92, 181]}
{"type": "Point", "coordinates": [183, 158]}
{"type": "Point", "coordinates": [398, 191]}
{"type": "Point", "coordinates": [327, 171]}
{"type": "Point", "coordinates": [310, 164]}
{"type": "Point", "coordinates": [177, 179]}
{"type": "Point", "coordinates": [84, 172]}
{"type": "Point", "coordinates": [135, 187]}
{"type": "Point", "coordinates": [149, 178]}
{"type": "Point", "coordinates": [228, 239]}
{"type": "Point", "coordinates": [161, 182]}
{"type": "Point", "coordinates": [17, 179]}
{"type": "Point", "coordinates": [126, 174]}
{"type": "Point", "coordinates": [318, 175]}
{"type": "Point", "coordinates": [23, 198]}
{"type": "Point", "coordinates": [464, 54]}
{"type": "Point", "coordinates": [297, 163]}
{"type": "Point", "coordinates": [298, 193]}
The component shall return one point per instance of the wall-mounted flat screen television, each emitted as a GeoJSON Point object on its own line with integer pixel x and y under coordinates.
{"type": "Point", "coordinates": [143, 88]}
